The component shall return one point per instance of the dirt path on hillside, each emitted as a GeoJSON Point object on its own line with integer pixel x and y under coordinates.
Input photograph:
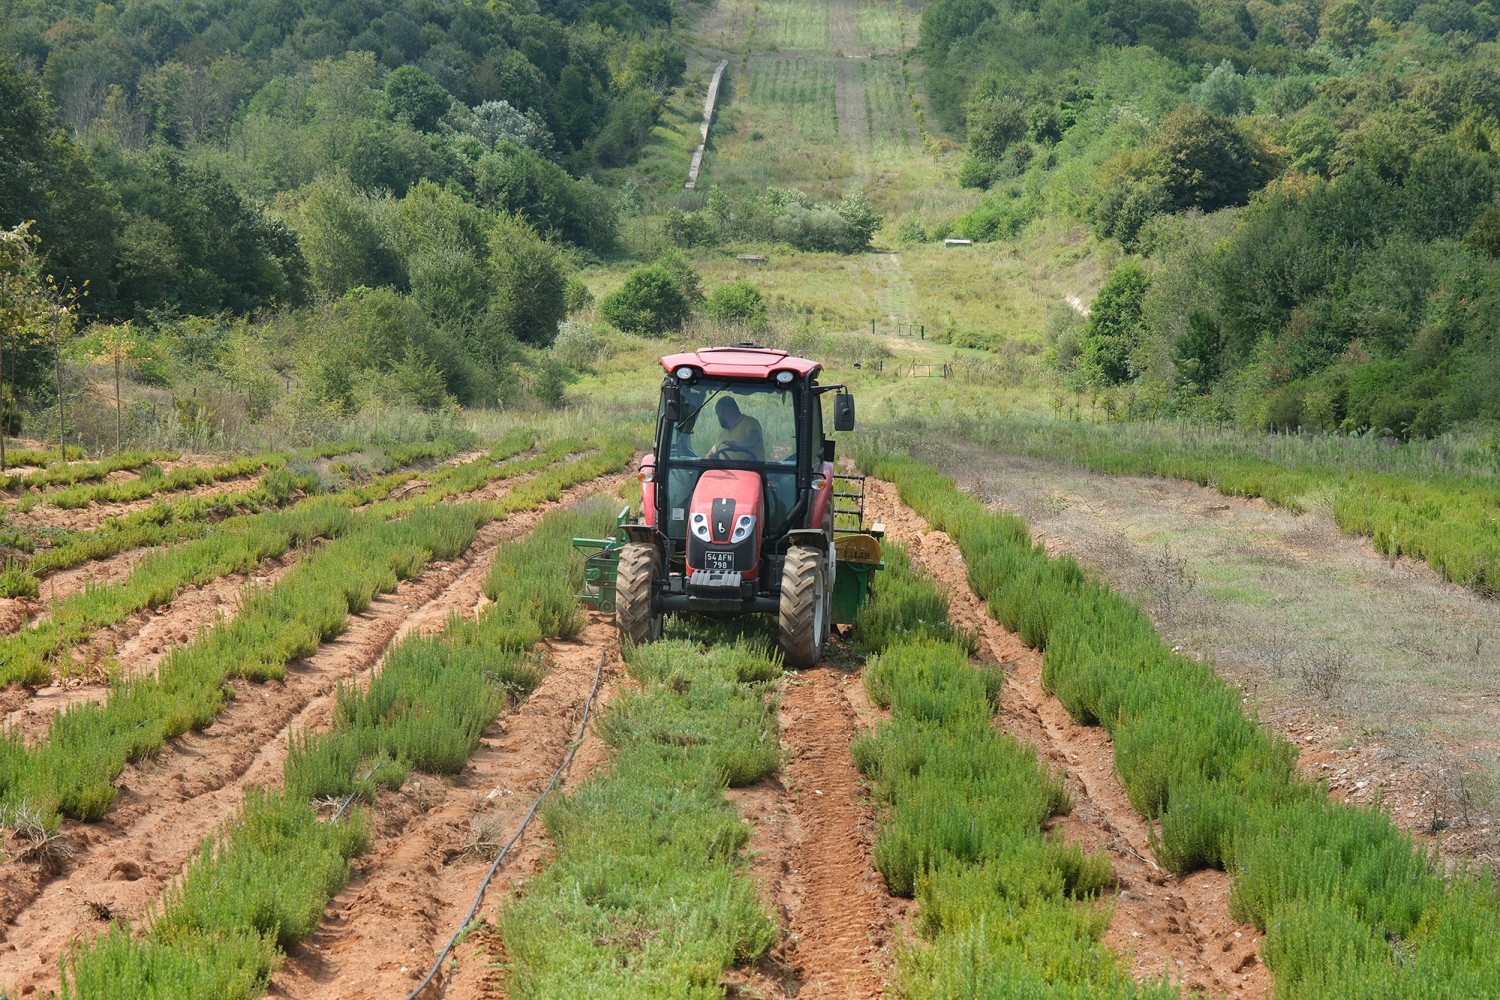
{"type": "Point", "coordinates": [166, 806]}
{"type": "Point", "coordinates": [413, 888]}
{"type": "Point", "coordinates": [849, 94]}
{"type": "Point", "coordinates": [1167, 925]}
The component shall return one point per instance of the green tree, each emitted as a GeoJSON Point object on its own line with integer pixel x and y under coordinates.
{"type": "Point", "coordinates": [1205, 161]}
{"type": "Point", "coordinates": [993, 124]}
{"type": "Point", "coordinates": [531, 283]}
{"type": "Point", "coordinates": [413, 97]}
{"type": "Point", "coordinates": [650, 302]}
{"type": "Point", "coordinates": [344, 245]}
{"type": "Point", "coordinates": [1114, 329]}
{"type": "Point", "coordinates": [24, 309]}
{"type": "Point", "coordinates": [1346, 25]}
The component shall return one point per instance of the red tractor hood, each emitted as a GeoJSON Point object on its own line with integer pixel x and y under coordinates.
{"type": "Point", "coordinates": [722, 502]}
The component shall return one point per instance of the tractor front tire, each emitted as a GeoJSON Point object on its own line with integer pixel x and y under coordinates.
{"type": "Point", "coordinates": [640, 565]}
{"type": "Point", "coordinates": [805, 606]}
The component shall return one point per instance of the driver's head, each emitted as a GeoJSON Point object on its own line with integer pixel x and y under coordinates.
{"type": "Point", "coordinates": [728, 411]}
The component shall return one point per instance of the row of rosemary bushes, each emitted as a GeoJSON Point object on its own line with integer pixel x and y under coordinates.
{"type": "Point", "coordinates": [168, 522]}
{"type": "Point", "coordinates": [1407, 504]}
{"type": "Point", "coordinates": [262, 886]}
{"type": "Point", "coordinates": [648, 894]}
{"type": "Point", "coordinates": [72, 473]}
{"type": "Point", "coordinates": [33, 655]}
{"type": "Point", "coordinates": [1349, 905]}
{"type": "Point", "coordinates": [72, 771]}
{"type": "Point", "coordinates": [1007, 909]}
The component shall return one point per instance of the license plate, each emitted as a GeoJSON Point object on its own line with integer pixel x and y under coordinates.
{"type": "Point", "coordinates": [718, 560]}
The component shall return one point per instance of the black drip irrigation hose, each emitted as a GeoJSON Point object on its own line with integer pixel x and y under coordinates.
{"type": "Point", "coordinates": [588, 706]}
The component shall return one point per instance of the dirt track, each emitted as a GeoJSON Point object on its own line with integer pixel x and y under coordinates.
{"type": "Point", "coordinates": [166, 806]}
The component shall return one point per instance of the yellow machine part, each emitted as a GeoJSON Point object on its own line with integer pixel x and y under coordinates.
{"type": "Point", "coordinates": [863, 549]}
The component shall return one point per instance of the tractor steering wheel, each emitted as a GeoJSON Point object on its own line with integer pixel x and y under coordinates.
{"type": "Point", "coordinates": [722, 450]}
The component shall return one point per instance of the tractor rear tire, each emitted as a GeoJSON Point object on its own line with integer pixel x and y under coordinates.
{"type": "Point", "coordinates": [805, 606]}
{"type": "Point", "coordinates": [640, 565]}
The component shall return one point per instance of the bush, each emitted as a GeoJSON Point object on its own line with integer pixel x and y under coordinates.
{"type": "Point", "coordinates": [739, 302]}
{"type": "Point", "coordinates": [651, 302]}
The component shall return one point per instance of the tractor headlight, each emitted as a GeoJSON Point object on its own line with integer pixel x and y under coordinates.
{"type": "Point", "coordinates": [742, 528]}
{"type": "Point", "coordinates": [700, 527]}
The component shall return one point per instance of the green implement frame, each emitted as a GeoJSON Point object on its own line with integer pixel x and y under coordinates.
{"type": "Point", "coordinates": [601, 564]}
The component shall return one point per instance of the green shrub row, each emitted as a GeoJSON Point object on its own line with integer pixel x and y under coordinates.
{"type": "Point", "coordinates": [242, 901]}
{"type": "Point", "coordinates": [182, 478]}
{"type": "Point", "coordinates": [75, 472]}
{"type": "Point", "coordinates": [647, 895]}
{"type": "Point", "coordinates": [263, 886]}
{"type": "Point", "coordinates": [432, 697]}
{"type": "Point", "coordinates": [1224, 790]}
{"type": "Point", "coordinates": [170, 522]}
{"type": "Point", "coordinates": [1006, 910]}
{"type": "Point", "coordinates": [72, 772]}
{"type": "Point", "coordinates": [40, 456]}
{"type": "Point", "coordinates": [240, 543]}
{"type": "Point", "coordinates": [31, 655]}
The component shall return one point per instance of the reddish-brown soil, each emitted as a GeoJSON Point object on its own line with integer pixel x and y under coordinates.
{"type": "Point", "coordinates": [814, 831]}
{"type": "Point", "coordinates": [432, 848]}
{"type": "Point", "coordinates": [1166, 924]}
{"type": "Point", "coordinates": [166, 806]}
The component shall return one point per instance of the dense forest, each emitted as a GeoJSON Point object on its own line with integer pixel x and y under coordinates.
{"type": "Point", "coordinates": [1305, 194]}
{"type": "Point", "coordinates": [371, 201]}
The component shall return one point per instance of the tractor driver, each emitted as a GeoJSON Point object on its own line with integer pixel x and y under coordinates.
{"type": "Point", "coordinates": [742, 436]}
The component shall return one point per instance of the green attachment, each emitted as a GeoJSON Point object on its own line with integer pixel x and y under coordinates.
{"type": "Point", "coordinates": [851, 585]}
{"type": "Point", "coordinates": [601, 564]}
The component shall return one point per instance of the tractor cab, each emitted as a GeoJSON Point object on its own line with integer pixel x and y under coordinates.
{"type": "Point", "coordinates": [740, 503]}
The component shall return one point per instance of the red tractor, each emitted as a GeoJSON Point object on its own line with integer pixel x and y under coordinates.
{"type": "Point", "coordinates": [739, 502]}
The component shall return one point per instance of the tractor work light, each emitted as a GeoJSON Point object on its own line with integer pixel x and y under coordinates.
{"type": "Point", "coordinates": [686, 373]}
{"type": "Point", "coordinates": [785, 377]}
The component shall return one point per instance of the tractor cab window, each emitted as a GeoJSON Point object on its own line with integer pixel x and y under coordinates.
{"type": "Point", "coordinates": [737, 423]}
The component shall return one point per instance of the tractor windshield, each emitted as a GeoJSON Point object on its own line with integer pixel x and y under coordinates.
{"type": "Point", "coordinates": [736, 422]}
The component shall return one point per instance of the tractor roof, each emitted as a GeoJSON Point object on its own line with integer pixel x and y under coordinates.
{"type": "Point", "coordinates": [744, 361]}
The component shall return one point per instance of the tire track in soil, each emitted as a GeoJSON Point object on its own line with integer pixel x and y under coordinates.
{"type": "Point", "coordinates": [1165, 924]}
{"type": "Point", "coordinates": [166, 806]}
{"type": "Point", "coordinates": [811, 850]}
{"type": "Point", "coordinates": [381, 934]}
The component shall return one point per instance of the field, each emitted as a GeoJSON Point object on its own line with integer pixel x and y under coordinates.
{"type": "Point", "coordinates": [1134, 711]}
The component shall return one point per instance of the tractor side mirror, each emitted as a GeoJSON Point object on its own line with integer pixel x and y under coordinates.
{"type": "Point", "coordinates": [843, 412]}
{"type": "Point", "coordinates": [671, 400]}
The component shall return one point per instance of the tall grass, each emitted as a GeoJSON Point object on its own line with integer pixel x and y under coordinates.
{"type": "Point", "coordinates": [647, 895]}
{"type": "Point", "coordinates": [1334, 886]}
